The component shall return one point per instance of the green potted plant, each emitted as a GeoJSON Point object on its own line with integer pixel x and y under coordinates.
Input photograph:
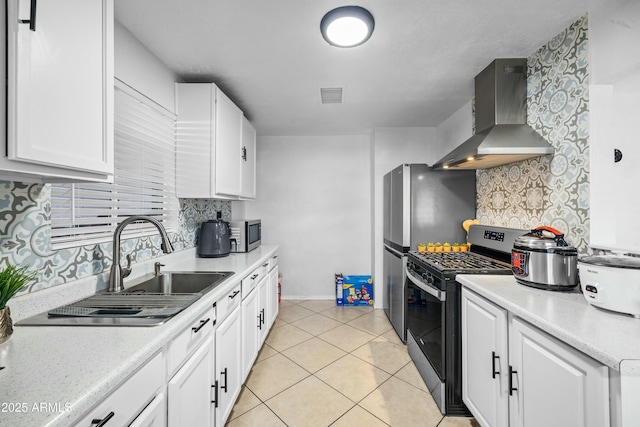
{"type": "Point", "coordinates": [12, 279]}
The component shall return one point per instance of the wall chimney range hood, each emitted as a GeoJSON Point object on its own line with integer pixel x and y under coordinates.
{"type": "Point", "coordinates": [502, 135]}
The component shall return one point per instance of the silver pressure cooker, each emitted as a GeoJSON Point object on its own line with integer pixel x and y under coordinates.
{"type": "Point", "coordinates": [543, 259]}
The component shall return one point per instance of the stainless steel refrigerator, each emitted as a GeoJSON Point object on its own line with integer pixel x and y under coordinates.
{"type": "Point", "coordinates": [421, 205]}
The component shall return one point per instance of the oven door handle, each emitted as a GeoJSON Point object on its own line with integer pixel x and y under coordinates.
{"type": "Point", "coordinates": [434, 292]}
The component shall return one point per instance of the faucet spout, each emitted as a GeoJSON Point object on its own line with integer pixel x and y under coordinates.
{"type": "Point", "coordinates": [117, 272]}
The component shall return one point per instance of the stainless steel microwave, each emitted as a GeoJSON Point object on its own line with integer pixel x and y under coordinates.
{"type": "Point", "coordinates": [246, 235]}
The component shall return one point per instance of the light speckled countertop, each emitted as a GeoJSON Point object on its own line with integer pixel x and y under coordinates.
{"type": "Point", "coordinates": [77, 366]}
{"type": "Point", "coordinates": [608, 337]}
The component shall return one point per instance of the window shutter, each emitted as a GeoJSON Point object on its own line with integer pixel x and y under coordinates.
{"type": "Point", "coordinates": [144, 182]}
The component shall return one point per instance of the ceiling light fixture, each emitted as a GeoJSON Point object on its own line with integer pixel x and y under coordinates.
{"type": "Point", "coordinates": [347, 26]}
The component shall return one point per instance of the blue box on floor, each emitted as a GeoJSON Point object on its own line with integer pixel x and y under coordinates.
{"type": "Point", "coordinates": [354, 290]}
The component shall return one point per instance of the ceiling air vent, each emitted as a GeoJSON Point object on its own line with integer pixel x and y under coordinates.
{"type": "Point", "coordinates": [331, 95]}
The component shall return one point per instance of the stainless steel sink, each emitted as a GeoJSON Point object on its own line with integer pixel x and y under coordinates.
{"type": "Point", "coordinates": [180, 283]}
{"type": "Point", "coordinates": [150, 302]}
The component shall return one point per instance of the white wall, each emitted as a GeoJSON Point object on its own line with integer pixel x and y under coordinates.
{"type": "Point", "coordinates": [314, 200]}
{"type": "Point", "coordinates": [142, 70]}
{"type": "Point", "coordinates": [614, 89]}
{"type": "Point", "coordinates": [393, 147]}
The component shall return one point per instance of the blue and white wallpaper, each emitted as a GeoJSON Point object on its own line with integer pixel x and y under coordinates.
{"type": "Point", "coordinates": [25, 220]}
{"type": "Point", "coordinates": [551, 190]}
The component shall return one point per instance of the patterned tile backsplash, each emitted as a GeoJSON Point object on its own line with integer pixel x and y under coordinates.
{"type": "Point", "coordinates": [25, 219]}
{"type": "Point", "coordinates": [551, 190]}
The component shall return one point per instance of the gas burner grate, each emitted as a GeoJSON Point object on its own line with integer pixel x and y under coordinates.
{"type": "Point", "coordinates": [460, 261]}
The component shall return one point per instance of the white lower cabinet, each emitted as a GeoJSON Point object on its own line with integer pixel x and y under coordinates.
{"type": "Point", "coordinates": [273, 291]}
{"type": "Point", "coordinates": [263, 306]}
{"type": "Point", "coordinates": [254, 301]}
{"type": "Point", "coordinates": [189, 390]}
{"type": "Point", "coordinates": [552, 383]}
{"type": "Point", "coordinates": [484, 360]}
{"type": "Point", "coordinates": [190, 369]}
{"type": "Point", "coordinates": [517, 375]}
{"type": "Point", "coordinates": [250, 329]}
{"type": "Point", "coordinates": [228, 374]}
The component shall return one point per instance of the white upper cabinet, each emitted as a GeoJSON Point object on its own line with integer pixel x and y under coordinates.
{"type": "Point", "coordinates": [248, 164]}
{"type": "Point", "coordinates": [59, 90]}
{"type": "Point", "coordinates": [228, 143]}
{"type": "Point", "coordinates": [209, 145]}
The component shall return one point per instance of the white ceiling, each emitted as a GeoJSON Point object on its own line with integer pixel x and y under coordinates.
{"type": "Point", "coordinates": [269, 57]}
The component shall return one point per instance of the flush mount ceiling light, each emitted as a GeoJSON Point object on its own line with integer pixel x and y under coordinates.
{"type": "Point", "coordinates": [347, 26]}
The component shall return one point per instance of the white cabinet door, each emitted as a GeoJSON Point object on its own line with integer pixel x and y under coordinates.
{"type": "Point", "coordinates": [273, 291]}
{"type": "Point", "coordinates": [195, 157]}
{"type": "Point", "coordinates": [60, 88]}
{"type": "Point", "coordinates": [263, 309]}
{"type": "Point", "coordinates": [189, 391]}
{"type": "Point", "coordinates": [250, 328]}
{"type": "Point", "coordinates": [484, 360]}
{"type": "Point", "coordinates": [208, 143]}
{"type": "Point", "coordinates": [228, 145]}
{"type": "Point", "coordinates": [248, 166]}
{"type": "Point", "coordinates": [553, 384]}
{"type": "Point", "coordinates": [228, 364]}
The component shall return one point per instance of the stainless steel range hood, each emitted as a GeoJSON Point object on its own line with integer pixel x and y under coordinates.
{"type": "Point", "coordinates": [502, 135]}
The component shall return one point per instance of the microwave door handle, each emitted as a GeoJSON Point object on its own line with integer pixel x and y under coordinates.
{"type": "Point", "coordinates": [436, 293]}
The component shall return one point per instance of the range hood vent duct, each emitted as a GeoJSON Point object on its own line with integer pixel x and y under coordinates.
{"type": "Point", "coordinates": [502, 135]}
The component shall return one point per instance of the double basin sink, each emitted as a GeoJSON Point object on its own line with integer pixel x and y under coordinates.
{"type": "Point", "coordinates": [151, 301]}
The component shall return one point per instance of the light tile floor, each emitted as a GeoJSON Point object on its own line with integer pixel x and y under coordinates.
{"type": "Point", "coordinates": [324, 365]}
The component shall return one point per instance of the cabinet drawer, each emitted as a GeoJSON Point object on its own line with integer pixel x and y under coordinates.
{"type": "Point", "coordinates": [154, 415]}
{"type": "Point", "coordinates": [129, 400]}
{"type": "Point", "coordinates": [273, 262]}
{"type": "Point", "coordinates": [252, 280]}
{"type": "Point", "coordinates": [228, 303]}
{"type": "Point", "coordinates": [186, 343]}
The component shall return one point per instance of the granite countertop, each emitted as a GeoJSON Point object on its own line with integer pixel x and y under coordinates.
{"type": "Point", "coordinates": [72, 368]}
{"type": "Point", "coordinates": [606, 336]}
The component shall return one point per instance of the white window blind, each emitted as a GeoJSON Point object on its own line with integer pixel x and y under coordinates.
{"type": "Point", "coordinates": [144, 182]}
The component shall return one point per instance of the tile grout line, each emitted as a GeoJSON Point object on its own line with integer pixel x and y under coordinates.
{"type": "Point", "coordinates": [375, 335]}
{"type": "Point", "coordinates": [347, 353]}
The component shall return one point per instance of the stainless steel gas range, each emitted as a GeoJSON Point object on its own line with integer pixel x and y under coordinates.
{"type": "Point", "coordinates": [433, 308]}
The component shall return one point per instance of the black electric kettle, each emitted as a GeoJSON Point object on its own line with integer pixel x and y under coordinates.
{"type": "Point", "coordinates": [215, 239]}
